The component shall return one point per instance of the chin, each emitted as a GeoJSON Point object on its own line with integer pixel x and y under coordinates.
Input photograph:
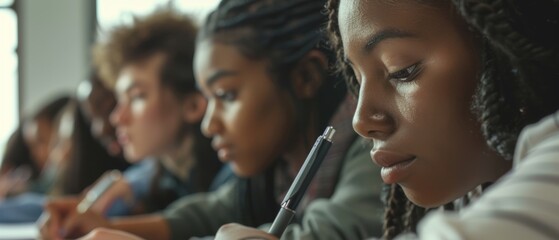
{"type": "Point", "coordinates": [241, 172]}
{"type": "Point", "coordinates": [132, 157]}
{"type": "Point", "coordinates": [425, 200]}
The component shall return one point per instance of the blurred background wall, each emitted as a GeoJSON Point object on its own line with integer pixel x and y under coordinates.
{"type": "Point", "coordinates": [45, 46]}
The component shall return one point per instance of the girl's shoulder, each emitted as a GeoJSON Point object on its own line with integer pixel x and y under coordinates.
{"type": "Point", "coordinates": [538, 139]}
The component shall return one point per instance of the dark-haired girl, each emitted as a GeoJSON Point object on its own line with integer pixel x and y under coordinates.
{"type": "Point", "coordinates": [444, 89]}
{"type": "Point", "coordinates": [264, 68]}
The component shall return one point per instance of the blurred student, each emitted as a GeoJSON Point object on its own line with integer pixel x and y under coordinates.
{"type": "Point", "coordinates": [23, 178]}
{"type": "Point", "coordinates": [263, 66]}
{"type": "Point", "coordinates": [74, 160]}
{"type": "Point", "coordinates": [166, 127]}
{"type": "Point", "coordinates": [27, 151]}
{"type": "Point", "coordinates": [158, 113]}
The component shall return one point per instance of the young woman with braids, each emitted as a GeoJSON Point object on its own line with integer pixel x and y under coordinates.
{"type": "Point", "coordinates": [263, 66]}
{"type": "Point", "coordinates": [444, 89]}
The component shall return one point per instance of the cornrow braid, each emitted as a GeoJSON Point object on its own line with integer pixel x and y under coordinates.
{"type": "Point", "coordinates": [288, 28]}
{"type": "Point", "coordinates": [282, 32]}
{"type": "Point", "coordinates": [518, 80]}
{"type": "Point", "coordinates": [394, 213]}
{"type": "Point", "coordinates": [414, 213]}
{"type": "Point", "coordinates": [341, 67]}
{"type": "Point", "coordinates": [499, 120]}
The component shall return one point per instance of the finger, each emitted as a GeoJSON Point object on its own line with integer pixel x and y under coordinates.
{"type": "Point", "coordinates": [103, 233]}
{"type": "Point", "coordinates": [71, 225]}
{"type": "Point", "coordinates": [42, 223]}
{"type": "Point", "coordinates": [78, 224]}
{"type": "Point", "coordinates": [55, 212]}
{"type": "Point", "coordinates": [48, 225]}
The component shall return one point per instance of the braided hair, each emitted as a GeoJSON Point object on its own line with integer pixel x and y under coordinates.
{"type": "Point", "coordinates": [282, 32]}
{"type": "Point", "coordinates": [517, 79]}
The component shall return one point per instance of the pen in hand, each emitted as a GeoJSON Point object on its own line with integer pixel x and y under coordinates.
{"type": "Point", "coordinates": [302, 181]}
{"type": "Point", "coordinates": [90, 198]}
{"type": "Point", "coordinates": [95, 193]}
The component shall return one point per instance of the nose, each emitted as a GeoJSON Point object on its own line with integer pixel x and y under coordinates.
{"type": "Point", "coordinates": [210, 123]}
{"type": "Point", "coordinates": [372, 119]}
{"type": "Point", "coordinates": [119, 115]}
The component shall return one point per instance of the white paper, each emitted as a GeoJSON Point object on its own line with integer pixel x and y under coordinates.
{"type": "Point", "coordinates": [18, 231]}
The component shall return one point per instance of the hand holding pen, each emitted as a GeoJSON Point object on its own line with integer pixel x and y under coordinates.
{"type": "Point", "coordinates": [301, 182]}
{"type": "Point", "coordinates": [69, 217]}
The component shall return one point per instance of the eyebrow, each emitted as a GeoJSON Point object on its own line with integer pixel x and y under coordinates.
{"type": "Point", "coordinates": [129, 88]}
{"type": "Point", "coordinates": [218, 75]}
{"type": "Point", "coordinates": [381, 36]}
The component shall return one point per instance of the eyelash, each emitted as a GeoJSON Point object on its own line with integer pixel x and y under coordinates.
{"type": "Point", "coordinates": [407, 74]}
{"type": "Point", "coordinates": [137, 96]}
{"type": "Point", "coordinates": [226, 95]}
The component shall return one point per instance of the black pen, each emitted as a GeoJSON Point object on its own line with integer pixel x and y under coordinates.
{"type": "Point", "coordinates": [301, 182]}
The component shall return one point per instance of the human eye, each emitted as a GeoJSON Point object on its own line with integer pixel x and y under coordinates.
{"type": "Point", "coordinates": [407, 74]}
{"type": "Point", "coordinates": [137, 96]}
{"type": "Point", "coordinates": [226, 95]}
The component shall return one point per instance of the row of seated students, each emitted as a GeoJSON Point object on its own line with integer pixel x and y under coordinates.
{"type": "Point", "coordinates": [263, 132]}
{"type": "Point", "coordinates": [69, 143]}
{"type": "Point", "coordinates": [443, 90]}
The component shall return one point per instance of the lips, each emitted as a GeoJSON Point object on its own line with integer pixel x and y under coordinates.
{"type": "Point", "coordinates": [224, 152]}
{"type": "Point", "coordinates": [123, 138]}
{"type": "Point", "coordinates": [395, 166]}
{"type": "Point", "coordinates": [114, 148]}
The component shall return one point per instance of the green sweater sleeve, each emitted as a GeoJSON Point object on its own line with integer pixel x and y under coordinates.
{"type": "Point", "coordinates": [201, 214]}
{"type": "Point", "coordinates": [353, 212]}
{"type": "Point", "coordinates": [355, 209]}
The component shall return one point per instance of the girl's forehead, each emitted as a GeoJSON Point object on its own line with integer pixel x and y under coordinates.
{"type": "Point", "coordinates": [359, 21]}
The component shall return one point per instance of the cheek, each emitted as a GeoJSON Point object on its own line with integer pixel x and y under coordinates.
{"type": "Point", "coordinates": [241, 122]}
{"type": "Point", "coordinates": [258, 130]}
{"type": "Point", "coordinates": [138, 107]}
{"type": "Point", "coordinates": [150, 113]}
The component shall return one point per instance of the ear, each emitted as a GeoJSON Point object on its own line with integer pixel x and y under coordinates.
{"type": "Point", "coordinates": [309, 74]}
{"type": "Point", "coordinates": [194, 107]}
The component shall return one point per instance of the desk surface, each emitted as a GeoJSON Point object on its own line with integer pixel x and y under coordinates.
{"type": "Point", "coordinates": [18, 231]}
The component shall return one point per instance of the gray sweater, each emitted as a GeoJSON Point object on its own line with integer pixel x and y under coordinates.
{"type": "Point", "coordinates": [354, 211]}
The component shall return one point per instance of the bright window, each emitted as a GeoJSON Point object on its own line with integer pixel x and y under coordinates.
{"type": "Point", "coordinates": [111, 12]}
{"type": "Point", "coordinates": [8, 73]}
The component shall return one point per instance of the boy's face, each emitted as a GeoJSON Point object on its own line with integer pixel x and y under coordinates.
{"type": "Point", "coordinates": [148, 116]}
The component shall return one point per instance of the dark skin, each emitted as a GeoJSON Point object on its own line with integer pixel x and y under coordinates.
{"type": "Point", "coordinates": [243, 105]}
{"type": "Point", "coordinates": [416, 86]}
{"type": "Point", "coordinates": [417, 78]}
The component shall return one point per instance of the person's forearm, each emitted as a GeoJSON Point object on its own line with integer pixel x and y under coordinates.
{"type": "Point", "coordinates": [145, 226]}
